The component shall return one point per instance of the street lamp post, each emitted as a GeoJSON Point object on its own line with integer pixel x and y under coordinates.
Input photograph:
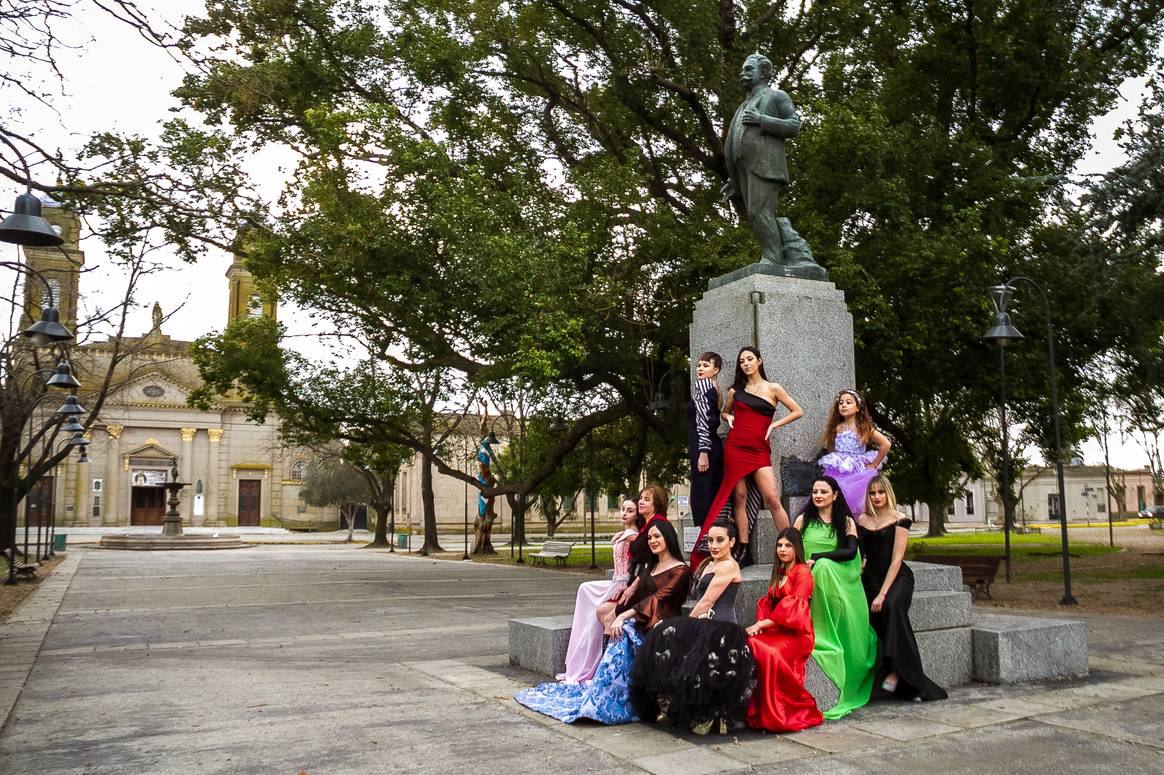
{"type": "Point", "coordinates": [70, 411]}
{"type": "Point", "coordinates": [519, 523]}
{"type": "Point", "coordinates": [591, 496]}
{"type": "Point", "coordinates": [1001, 334]}
{"type": "Point", "coordinates": [1107, 482]}
{"type": "Point", "coordinates": [468, 472]}
{"type": "Point", "coordinates": [392, 514]}
{"type": "Point", "coordinates": [1007, 503]}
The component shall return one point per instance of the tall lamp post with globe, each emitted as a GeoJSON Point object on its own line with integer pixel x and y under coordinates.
{"type": "Point", "coordinates": [1002, 333]}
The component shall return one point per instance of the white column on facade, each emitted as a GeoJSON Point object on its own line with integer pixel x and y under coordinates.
{"type": "Point", "coordinates": [111, 487]}
{"type": "Point", "coordinates": [213, 497]}
{"type": "Point", "coordinates": [185, 472]}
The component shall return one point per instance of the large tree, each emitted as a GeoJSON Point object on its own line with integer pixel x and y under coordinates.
{"type": "Point", "coordinates": [528, 191]}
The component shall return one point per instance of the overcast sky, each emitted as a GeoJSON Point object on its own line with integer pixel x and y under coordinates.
{"type": "Point", "coordinates": [116, 80]}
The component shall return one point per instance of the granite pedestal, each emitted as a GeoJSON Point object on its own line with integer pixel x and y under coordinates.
{"type": "Point", "coordinates": [805, 334]}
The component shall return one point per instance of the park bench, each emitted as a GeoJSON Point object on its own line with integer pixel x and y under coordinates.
{"type": "Point", "coordinates": [977, 572]}
{"type": "Point", "coordinates": [558, 550]}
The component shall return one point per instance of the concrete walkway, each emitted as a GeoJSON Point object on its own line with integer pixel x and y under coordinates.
{"type": "Point", "coordinates": [331, 659]}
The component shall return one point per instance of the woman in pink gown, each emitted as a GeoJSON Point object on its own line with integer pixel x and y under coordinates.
{"type": "Point", "coordinates": [585, 648]}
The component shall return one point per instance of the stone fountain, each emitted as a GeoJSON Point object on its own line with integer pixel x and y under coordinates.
{"type": "Point", "coordinates": [171, 536]}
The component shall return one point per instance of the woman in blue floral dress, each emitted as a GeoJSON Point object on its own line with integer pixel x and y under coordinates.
{"type": "Point", "coordinates": [662, 588]}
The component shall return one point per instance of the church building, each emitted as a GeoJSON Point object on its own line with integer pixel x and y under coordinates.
{"type": "Point", "coordinates": [238, 472]}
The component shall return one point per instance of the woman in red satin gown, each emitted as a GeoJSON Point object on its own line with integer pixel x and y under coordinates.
{"type": "Point", "coordinates": [781, 641]}
{"type": "Point", "coordinates": [748, 480]}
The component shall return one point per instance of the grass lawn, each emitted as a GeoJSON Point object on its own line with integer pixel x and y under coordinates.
{"type": "Point", "coordinates": [987, 544]}
{"type": "Point", "coordinates": [579, 559]}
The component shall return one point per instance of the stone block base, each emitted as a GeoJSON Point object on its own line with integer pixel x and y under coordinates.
{"type": "Point", "coordinates": [928, 577]}
{"type": "Point", "coordinates": [1010, 649]}
{"type": "Point", "coordinates": [939, 610]}
{"type": "Point", "coordinates": [946, 655]}
{"type": "Point", "coordinates": [539, 644]}
{"type": "Point", "coordinates": [820, 686]}
{"type": "Point", "coordinates": [159, 542]}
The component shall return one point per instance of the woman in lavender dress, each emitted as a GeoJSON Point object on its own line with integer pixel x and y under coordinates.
{"type": "Point", "coordinates": [585, 647]}
{"type": "Point", "coordinates": [848, 433]}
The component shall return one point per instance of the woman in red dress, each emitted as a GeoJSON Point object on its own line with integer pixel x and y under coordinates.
{"type": "Point", "coordinates": [750, 412]}
{"type": "Point", "coordinates": [781, 641]}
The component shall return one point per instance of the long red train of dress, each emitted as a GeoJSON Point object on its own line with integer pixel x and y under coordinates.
{"type": "Point", "coordinates": [780, 702]}
{"type": "Point", "coordinates": [745, 450]}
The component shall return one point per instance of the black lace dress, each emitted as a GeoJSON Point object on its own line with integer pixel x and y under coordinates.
{"type": "Point", "coordinates": [899, 650]}
{"type": "Point", "coordinates": [703, 667]}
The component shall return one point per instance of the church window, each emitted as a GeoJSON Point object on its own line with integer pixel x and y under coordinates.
{"type": "Point", "coordinates": [298, 469]}
{"type": "Point", "coordinates": [51, 296]}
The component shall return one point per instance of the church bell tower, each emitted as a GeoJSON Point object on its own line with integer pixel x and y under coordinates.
{"type": "Point", "coordinates": [60, 267]}
{"type": "Point", "coordinates": [247, 300]}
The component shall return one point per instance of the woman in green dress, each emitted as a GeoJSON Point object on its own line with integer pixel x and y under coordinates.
{"type": "Point", "coordinates": [846, 646]}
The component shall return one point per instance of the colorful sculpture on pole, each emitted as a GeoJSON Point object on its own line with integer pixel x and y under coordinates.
{"type": "Point", "coordinates": [486, 515]}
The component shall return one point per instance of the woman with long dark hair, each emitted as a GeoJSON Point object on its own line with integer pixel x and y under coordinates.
{"type": "Point", "coordinates": [781, 642]}
{"type": "Point", "coordinates": [846, 646]}
{"type": "Point", "coordinates": [696, 670]}
{"type": "Point", "coordinates": [662, 587]}
{"type": "Point", "coordinates": [884, 534]}
{"type": "Point", "coordinates": [748, 478]}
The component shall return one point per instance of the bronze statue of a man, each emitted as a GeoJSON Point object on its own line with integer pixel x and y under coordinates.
{"type": "Point", "coordinates": [758, 168]}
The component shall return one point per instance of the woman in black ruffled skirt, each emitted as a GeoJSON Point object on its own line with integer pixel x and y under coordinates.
{"type": "Point", "coordinates": [697, 670]}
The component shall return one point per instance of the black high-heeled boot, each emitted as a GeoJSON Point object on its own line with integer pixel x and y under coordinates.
{"type": "Point", "coordinates": [744, 555]}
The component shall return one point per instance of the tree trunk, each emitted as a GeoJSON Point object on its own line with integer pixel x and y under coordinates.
{"type": "Point", "coordinates": [348, 513]}
{"type": "Point", "coordinates": [382, 488]}
{"type": "Point", "coordinates": [483, 535]}
{"type": "Point", "coordinates": [517, 520]}
{"type": "Point", "coordinates": [550, 514]}
{"type": "Point", "coordinates": [937, 518]}
{"type": "Point", "coordinates": [483, 529]}
{"type": "Point", "coordinates": [428, 502]}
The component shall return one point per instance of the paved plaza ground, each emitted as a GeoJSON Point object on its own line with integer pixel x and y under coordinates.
{"type": "Point", "coordinates": [331, 659]}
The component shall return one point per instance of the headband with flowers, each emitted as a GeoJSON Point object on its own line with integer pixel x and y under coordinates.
{"type": "Point", "coordinates": [856, 396]}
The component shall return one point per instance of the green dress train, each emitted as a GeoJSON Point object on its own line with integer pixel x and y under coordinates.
{"type": "Point", "coordinates": [846, 645]}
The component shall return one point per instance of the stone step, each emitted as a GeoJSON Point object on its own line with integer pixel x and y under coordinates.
{"type": "Point", "coordinates": [929, 577]}
{"type": "Point", "coordinates": [931, 609]}
{"type": "Point", "coordinates": [939, 610]}
{"type": "Point", "coordinates": [539, 643]}
{"type": "Point", "coordinates": [822, 689]}
{"type": "Point", "coordinates": [947, 655]}
{"type": "Point", "coordinates": [1009, 648]}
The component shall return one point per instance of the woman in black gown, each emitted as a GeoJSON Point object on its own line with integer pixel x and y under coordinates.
{"type": "Point", "coordinates": [697, 670]}
{"type": "Point", "coordinates": [884, 532]}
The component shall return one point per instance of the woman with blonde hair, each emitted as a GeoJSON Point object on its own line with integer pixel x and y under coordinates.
{"type": "Point", "coordinates": [888, 583]}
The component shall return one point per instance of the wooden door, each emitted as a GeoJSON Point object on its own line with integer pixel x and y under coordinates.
{"type": "Point", "coordinates": [249, 494]}
{"type": "Point", "coordinates": [147, 505]}
{"type": "Point", "coordinates": [38, 505]}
